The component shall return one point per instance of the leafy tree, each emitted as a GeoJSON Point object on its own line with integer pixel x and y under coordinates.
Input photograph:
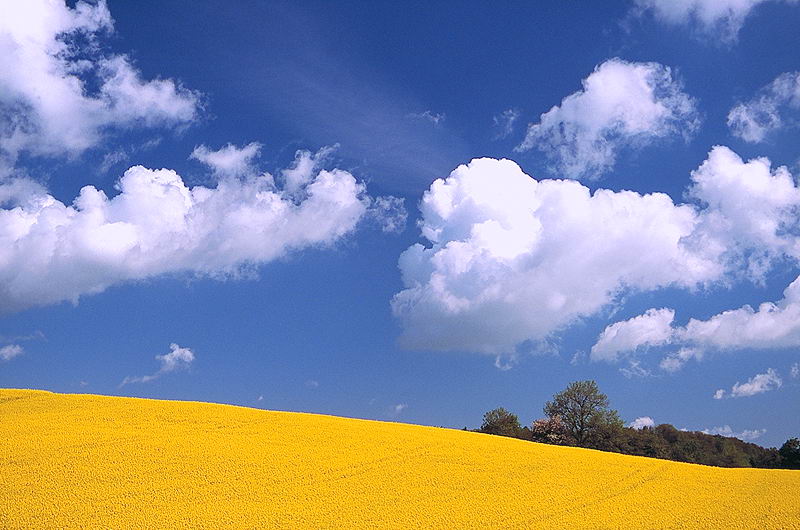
{"type": "Point", "coordinates": [549, 431]}
{"type": "Point", "coordinates": [668, 432]}
{"type": "Point", "coordinates": [585, 413]}
{"type": "Point", "coordinates": [500, 421]}
{"type": "Point", "coordinates": [646, 442]}
{"type": "Point", "coordinates": [790, 453]}
{"type": "Point", "coordinates": [606, 433]}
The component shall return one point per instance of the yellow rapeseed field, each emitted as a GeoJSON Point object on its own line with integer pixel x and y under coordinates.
{"type": "Point", "coordinates": [106, 462]}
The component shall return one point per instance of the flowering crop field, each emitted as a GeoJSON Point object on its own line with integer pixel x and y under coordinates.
{"type": "Point", "coordinates": [94, 461]}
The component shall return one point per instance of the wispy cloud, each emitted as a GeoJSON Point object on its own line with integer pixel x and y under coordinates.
{"type": "Point", "coordinates": [505, 122]}
{"type": "Point", "coordinates": [433, 117]}
{"type": "Point", "coordinates": [396, 410]}
{"type": "Point", "coordinates": [754, 120]}
{"type": "Point", "coordinates": [635, 369]}
{"type": "Point", "coordinates": [758, 384]}
{"type": "Point", "coordinates": [10, 351]}
{"type": "Point", "coordinates": [327, 97]}
{"type": "Point", "coordinates": [176, 360]}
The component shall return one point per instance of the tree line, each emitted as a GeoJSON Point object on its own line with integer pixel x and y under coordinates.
{"type": "Point", "coordinates": [581, 416]}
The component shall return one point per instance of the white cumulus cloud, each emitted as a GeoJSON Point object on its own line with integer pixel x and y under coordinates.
{"type": "Point", "coordinates": [722, 18]}
{"type": "Point", "coordinates": [642, 422]}
{"type": "Point", "coordinates": [750, 221]}
{"type": "Point", "coordinates": [770, 326]}
{"type": "Point", "coordinates": [753, 120]}
{"type": "Point", "coordinates": [51, 251]}
{"type": "Point", "coordinates": [748, 435]}
{"type": "Point", "coordinates": [622, 104]}
{"type": "Point", "coordinates": [511, 259]}
{"type": "Point", "coordinates": [230, 160]}
{"type": "Point", "coordinates": [773, 325]}
{"type": "Point", "coordinates": [177, 359]}
{"type": "Point", "coordinates": [653, 328]}
{"type": "Point", "coordinates": [758, 384]}
{"type": "Point", "coordinates": [794, 371]}
{"type": "Point", "coordinates": [60, 93]}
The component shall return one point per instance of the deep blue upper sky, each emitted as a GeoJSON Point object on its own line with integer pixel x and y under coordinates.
{"type": "Point", "coordinates": [407, 92]}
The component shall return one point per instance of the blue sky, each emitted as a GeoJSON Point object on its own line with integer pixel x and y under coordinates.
{"type": "Point", "coordinates": [295, 254]}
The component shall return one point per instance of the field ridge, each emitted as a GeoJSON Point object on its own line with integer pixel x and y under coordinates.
{"type": "Point", "coordinates": [71, 460]}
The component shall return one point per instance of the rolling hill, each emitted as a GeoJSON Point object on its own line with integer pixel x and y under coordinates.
{"type": "Point", "coordinates": [84, 460]}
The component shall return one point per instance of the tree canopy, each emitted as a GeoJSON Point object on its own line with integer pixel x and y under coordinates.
{"type": "Point", "coordinates": [584, 411]}
{"type": "Point", "coordinates": [790, 453]}
{"type": "Point", "coordinates": [500, 421]}
{"type": "Point", "coordinates": [580, 415]}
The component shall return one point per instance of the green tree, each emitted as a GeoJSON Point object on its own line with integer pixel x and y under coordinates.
{"type": "Point", "coordinates": [549, 431]}
{"type": "Point", "coordinates": [585, 413]}
{"type": "Point", "coordinates": [790, 453]}
{"type": "Point", "coordinates": [500, 421]}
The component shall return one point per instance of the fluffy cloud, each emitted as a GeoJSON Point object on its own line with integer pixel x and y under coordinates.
{"type": "Point", "coordinates": [751, 221]}
{"type": "Point", "coordinates": [51, 251]}
{"type": "Point", "coordinates": [10, 351]}
{"type": "Point", "coordinates": [753, 120]}
{"type": "Point", "coordinates": [795, 371]}
{"type": "Point", "coordinates": [59, 93]}
{"type": "Point", "coordinates": [621, 104]}
{"type": "Point", "coordinates": [752, 210]}
{"type": "Point", "coordinates": [513, 260]}
{"type": "Point", "coordinates": [229, 161]}
{"type": "Point", "coordinates": [747, 435]}
{"type": "Point", "coordinates": [509, 256]}
{"type": "Point", "coordinates": [758, 384]}
{"type": "Point", "coordinates": [177, 359]}
{"type": "Point", "coordinates": [640, 423]}
{"type": "Point", "coordinates": [653, 328]}
{"type": "Point", "coordinates": [770, 326]}
{"type": "Point", "coordinates": [675, 361]}
{"type": "Point", "coordinates": [718, 17]}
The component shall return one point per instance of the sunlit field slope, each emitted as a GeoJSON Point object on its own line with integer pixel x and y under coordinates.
{"type": "Point", "coordinates": [92, 461]}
